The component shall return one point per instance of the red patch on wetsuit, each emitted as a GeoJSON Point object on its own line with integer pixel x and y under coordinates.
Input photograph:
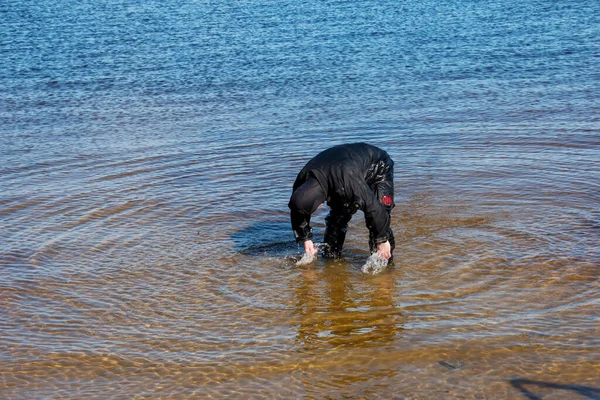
{"type": "Point", "coordinates": [387, 200]}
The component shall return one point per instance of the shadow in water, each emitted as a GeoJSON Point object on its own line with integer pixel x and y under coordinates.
{"type": "Point", "coordinates": [264, 238]}
{"type": "Point", "coordinates": [528, 388]}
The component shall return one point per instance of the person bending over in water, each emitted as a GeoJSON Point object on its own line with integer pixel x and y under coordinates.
{"type": "Point", "coordinates": [349, 177]}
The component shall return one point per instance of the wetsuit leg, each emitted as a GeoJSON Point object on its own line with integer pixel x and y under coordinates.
{"type": "Point", "coordinates": [335, 233]}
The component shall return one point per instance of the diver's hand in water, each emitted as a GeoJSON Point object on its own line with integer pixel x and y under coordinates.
{"type": "Point", "coordinates": [310, 254]}
{"type": "Point", "coordinates": [385, 250]}
{"type": "Point", "coordinates": [310, 248]}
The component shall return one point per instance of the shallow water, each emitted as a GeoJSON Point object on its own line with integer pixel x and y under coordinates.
{"type": "Point", "coordinates": [147, 153]}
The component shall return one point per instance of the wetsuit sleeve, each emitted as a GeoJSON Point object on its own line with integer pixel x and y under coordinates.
{"type": "Point", "coordinates": [377, 216]}
{"type": "Point", "coordinates": [301, 225]}
{"type": "Point", "coordinates": [384, 182]}
{"type": "Point", "coordinates": [299, 218]}
{"type": "Point", "coordinates": [305, 199]}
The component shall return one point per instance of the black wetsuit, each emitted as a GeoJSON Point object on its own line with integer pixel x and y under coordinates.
{"type": "Point", "coordinates": [353, 177]}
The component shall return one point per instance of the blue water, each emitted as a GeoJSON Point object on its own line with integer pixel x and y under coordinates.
{"type": "Point", "coordinates": [148, 148]}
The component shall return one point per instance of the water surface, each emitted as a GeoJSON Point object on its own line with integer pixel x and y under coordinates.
{"type": "Point", "coordinates": [147, 154]}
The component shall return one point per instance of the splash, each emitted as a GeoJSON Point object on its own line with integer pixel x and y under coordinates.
{"type": "Point", "coordinates": [375, 264]}
{"type": "Point", "coordinates": [310, 258]}
{"type": "Point", "coordinates": [306, 259]}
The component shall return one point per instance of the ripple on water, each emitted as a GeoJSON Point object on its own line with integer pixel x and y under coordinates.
{"type": "Point", "coordinates": [145, 248]}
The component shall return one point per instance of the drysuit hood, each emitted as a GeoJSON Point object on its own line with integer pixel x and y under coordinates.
{"type": "Point", "coordinates": [307, 197]}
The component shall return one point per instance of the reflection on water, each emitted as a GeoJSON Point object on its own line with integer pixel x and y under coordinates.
{"type": "Point", "coordinates": [331, 313]}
